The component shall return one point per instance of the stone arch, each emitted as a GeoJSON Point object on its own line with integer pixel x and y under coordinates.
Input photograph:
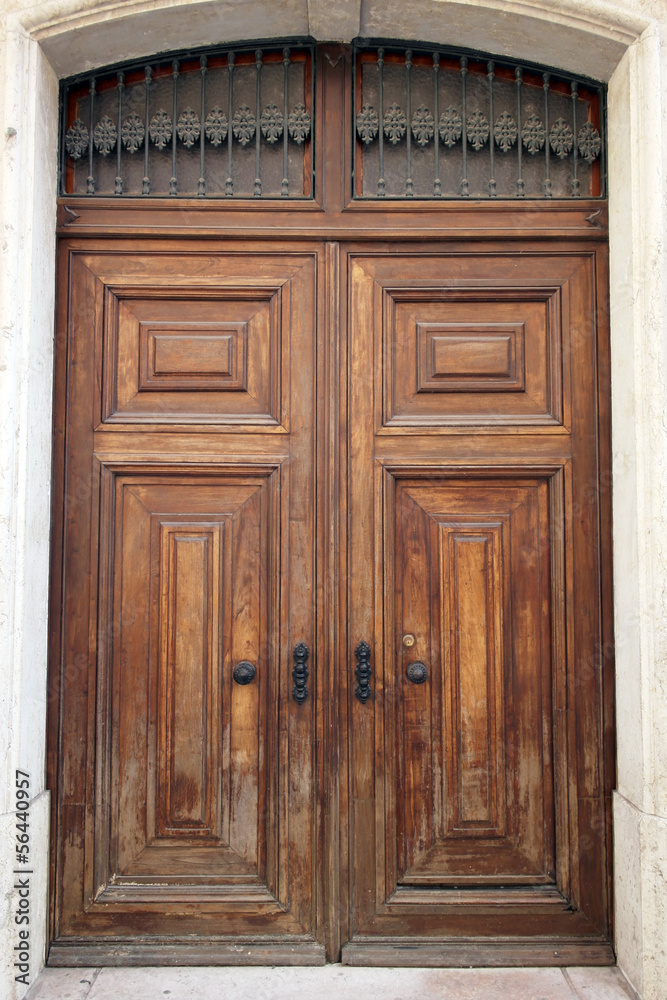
{"type": "Point", "coordinates": [77, 35]}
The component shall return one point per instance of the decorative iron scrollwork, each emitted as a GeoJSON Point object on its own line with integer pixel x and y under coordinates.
{"type": "Point", "coordinates": [105, 136]}
{"type": "Point", "coordinates": [589, 142]}
{"type": "Point", "coordinates": [188, 127]}
{"type": "Point", "coordinates": [561, 138]}
{"type": "Point", "coordinates": [160, 129]}
{"type": "Point", "coordinates": [450, 127]}
{"type": "Point", "coordinates": [133, 133]}
{"type": "Point", "coordinates": [76, 139]}
{"type": "Point", "coordinates": [166, 104]}
{"type": "Point", "coordinates": [271, 123]}
{"type": "Point", "coordinates": [216, 126]}
{"type": "Point", "coordinates": [368, 123]}
{"type": "Point", "coordinates": [395, 124]}
{"type": "Point", "coordinates": [505, 131]}
{"type": "Point", "coordinates": [477, 129]}
{"type": "Point", "coordinates": [533, 134]}
{"type": "Point", "coordinates": [417, 672]}
{"type": "Point", "coordinates": [300, 673]}
{"type": "Point", "coordinates": [363, 672]}
{"type": "Point", "coordinates": [438, 124]}
{"type": "Point", "coordinates": [423, 126]}
{"type": "Point", "coordinates": [298, 123]}
{"type": "Point", "coordinates": [243, 125]}
{"type": "Point", "coordinates": [244, 672]}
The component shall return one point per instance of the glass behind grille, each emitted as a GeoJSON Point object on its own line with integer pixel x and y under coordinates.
{"type": "Point", "coordinates": [431, 123]}
{"type": "Point", "coordinates": [226, 123]}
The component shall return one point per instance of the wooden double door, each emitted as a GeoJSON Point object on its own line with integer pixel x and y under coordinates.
{"type": "Point", "coordinates": [328, 670]}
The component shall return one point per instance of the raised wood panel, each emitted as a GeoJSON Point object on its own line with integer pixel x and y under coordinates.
{"type": "Point", "coordinates": [470, 357]}
{"type": "Point", "coordinates": [190, 592]}
{"type": "Point", "coordinates": [167, 321]}
{"type": "Point", "coordinates": [198, 356]}
{"type": "Point", "coordinates": [475, 802]}
{"type": "Point", "coordinates": [194, 357]}
{"type": "Point", "coordinates": [477, 355]}
{"type": "Point", "coordinates": [474, 621]}
{"type": "Point", "coordinates": [189, 636]}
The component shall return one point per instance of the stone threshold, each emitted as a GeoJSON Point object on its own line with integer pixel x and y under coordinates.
{"type": "Point", "coordinates": [331, 982]}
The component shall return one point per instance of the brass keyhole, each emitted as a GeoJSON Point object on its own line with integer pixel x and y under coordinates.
{"type": "Point", "coordinates": [408, 640]}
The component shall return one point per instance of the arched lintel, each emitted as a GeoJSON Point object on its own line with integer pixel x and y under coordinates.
{"type": "Point", "coordinates": [591, 38]}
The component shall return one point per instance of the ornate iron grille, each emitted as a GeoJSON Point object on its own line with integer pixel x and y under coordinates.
{"type": "Point", "coordinates": [435, 123]}
{"type": "Point", "coordinates": [232, 122]}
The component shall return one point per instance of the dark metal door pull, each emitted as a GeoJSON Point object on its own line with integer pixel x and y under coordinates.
{"type": "Point", "coordinates": [300, 673]}
{"type": "Point", "coordinates": [417, 672]}
{"type": "Point", "coordinates": [363, 672]}
{"type": "Point", "coordinates": [244, 672]}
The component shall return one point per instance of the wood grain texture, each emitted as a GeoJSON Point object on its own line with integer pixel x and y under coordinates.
{"type": "Point", "coordinates": [189, 794]}
{"type": "Point", "coordinates": [331, 422]}
{"type": "Point", "coordinates": [189, 350]}
{"type": "Point", "coordinates": [473, 771]}
{"type": "Point", "coordinates": [472, 586]}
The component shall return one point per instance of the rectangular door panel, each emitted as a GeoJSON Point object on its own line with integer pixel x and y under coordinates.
{"type": "Point", "coordinates": [482, 355]}
{"type": "Point", "coordinates": [193, 355]}
{"type": "Point", "coordinates": [188, 779]}
{"type": "Point", "coordinates": [472, 683]}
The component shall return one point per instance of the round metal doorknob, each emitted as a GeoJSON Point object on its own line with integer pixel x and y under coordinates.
{"type": "Point", "coordinates": [417, 672]}
{"type": "Point", "coordinates": [244, 672]}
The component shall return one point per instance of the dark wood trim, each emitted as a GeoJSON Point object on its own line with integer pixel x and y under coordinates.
{"type": "Point", "coordinates": [169, 952]}
{"type": "Point", "coordinates": [543, 220]}
{"type": "Point", "coordinates": [476, 953]}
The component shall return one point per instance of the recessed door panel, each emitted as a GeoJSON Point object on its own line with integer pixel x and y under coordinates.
{"type": "Point", "coordinates": [193, 355]}
{"type": "Point", "coordinates": [189, 781]}
{"type": "Point", "coordinates": [477, 354]}
{"type": "Point", "coordinates": [474, 799]}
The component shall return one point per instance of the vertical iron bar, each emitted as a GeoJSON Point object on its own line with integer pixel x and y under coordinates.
{"type": "Point", "coordinates": [520, 185]}
{"type": "Point", "coordinates": [90, 181]}
{"type": "Point", "coordinates": [313, 148]}
{"type": "Point", "coordinates": [409, 190]}
{"type": "Point", "coordinates": [492, 181]}
{"type": "Point", "coordinates": [201, 187]}
{"type": "Point", "coordinates": [548, 188]}
{"type": "Point", "coordinates": [465, 188]}
{"type": "Point", "coordinates": [118, 186]}
{"type": "Point", "coordinates": [576, 186]}
{"type": "Point", "coordinates": [437, 186]}
{"type": "Point", "coordinates": [381, 185]}
{"type": "Point", "coordinates": [229, 184]}
{"type": "Point", "coordinates": [354, 142]}
{"type": "Point", "coordinates": [284, 190]}
{"type": "Point", "coordinates": [173, 184]}
{"type": "Point", "coordinates": [63, 134]}
{"type": "Point", "coordinates": [258, 131]}
{"type": "Point", "coordinates": [603, 159]}
{"type": "Point", "coordinates": [146, 184]}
